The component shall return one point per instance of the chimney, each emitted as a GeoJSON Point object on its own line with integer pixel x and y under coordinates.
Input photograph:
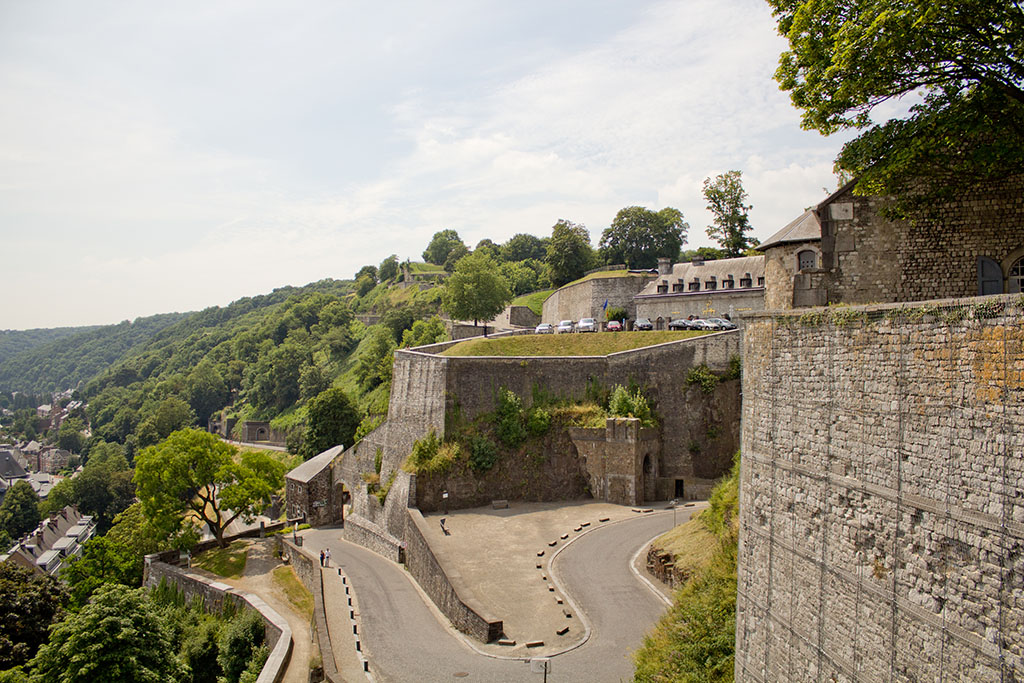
{"type": "Point", "coordinates": [698, 260]}
{"type": "Point", "coordinates": [664, 265]}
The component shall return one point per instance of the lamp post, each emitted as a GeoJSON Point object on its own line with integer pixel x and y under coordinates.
{"type": "Point", "coordinates": [674, 503]}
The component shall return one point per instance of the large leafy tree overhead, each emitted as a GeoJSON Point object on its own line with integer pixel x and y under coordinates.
{"type": "Point", "coordinates": [964, 57]}
{"type": "Point", "coordinates": [725, 196]}
{"type": "Point", "coordinates": [569, 253]}
{"type": "Point", "coordinates": [638, 236]}
{"type": "Point", "coordinates": [332, 420]}
{"type": "Point", "coordinates": [195, 473]}
{"type": "Point", "coordinates": [19, 513]}
{"type": "Point", "coordinates": [475, 291]}
{"type": "Point", "coordinates": [522, 246]}
{"type": "Point", "coordinates": [29, 604]}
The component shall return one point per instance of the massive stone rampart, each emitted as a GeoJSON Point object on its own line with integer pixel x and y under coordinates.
{"type": "Point", "coordinates": [882, 509]}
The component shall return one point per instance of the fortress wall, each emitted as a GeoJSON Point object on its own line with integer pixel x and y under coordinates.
{"type": "Point", "coordinates": [882, 503]}
{"type": "Point", "coordinates": [586, 299]}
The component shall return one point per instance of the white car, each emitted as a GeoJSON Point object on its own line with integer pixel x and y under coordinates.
{"type": "Point", "coordinates": [545, 328]}
{"type": "Point", "coordinates": [565, 326]}
{"type": "Point", "coordinates": [586, 325]}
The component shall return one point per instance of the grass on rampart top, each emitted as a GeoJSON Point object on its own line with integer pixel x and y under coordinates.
{"type": "Point", "coordinates": [608, 273]}
{"type": "Point", "coordinates": [534, 300]}
{"type": "Point", "coordinates": [227, 562]}
{"type": "Point", "coordinates": [589, 344]}
{"type": "Point", "coordinates": [285, 579]}
{"type": "Point", "coordinates": [424, 268]}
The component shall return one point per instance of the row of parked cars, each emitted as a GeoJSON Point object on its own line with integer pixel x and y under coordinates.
{"type": "Point", "coordinates": [591, 325]}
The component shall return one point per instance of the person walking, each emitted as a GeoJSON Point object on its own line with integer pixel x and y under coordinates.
{"type": "Point", "coordinates": [322, 555]}
{"type": "Point", "coordinates": [327, 557]}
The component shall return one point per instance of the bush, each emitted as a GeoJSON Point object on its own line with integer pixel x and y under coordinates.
{"type": "Point", "coordinates": [509, 418]}
{"type": "Point", "coordinates": [539, 422]}
{"type": "Point", "coordinates": [483, 454]}
{"type": "Point", "coordinates": [703, 378]}
{"type": "Point", "coordinates": [430, 456]}
{"type": "Point", "coordinates": [238, 643]}
{"type": "Point", "coordinates": [625, 403]}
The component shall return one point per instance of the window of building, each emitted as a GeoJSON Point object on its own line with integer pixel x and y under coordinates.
{"type": "Point", "coordinates": [1015, 278]}
{"type": "Point", "coordinates": [711, 284]}
{"type": "Point", "coordinates": [695, 285]}
{"type": "Point", "coordinates": [679, 286]}
{"type": "Point", "coordinates": [746, 281]}
{"type": "Point", "coordinates": [807, 260]}
{"type": "Point", "coordinates": [760, 281]}
{"type": "Point", "coordinates": [663, 288]}
{"type": "Point", "coordinates": [728, 283]}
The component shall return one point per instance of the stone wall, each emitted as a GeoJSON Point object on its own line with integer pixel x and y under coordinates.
{"type": "Point", "coordinates": [440, 579]}
{"type": "Point", "coordinates": [621, 461]}
{"type": "Point", "coordinates": [882, 514]}
{"type": "Point", "coordinates": [586, 299]}
{"type": "Point", "coordinates": [311, 576]}
{"type": "Point", "coordinates": [707, 304]}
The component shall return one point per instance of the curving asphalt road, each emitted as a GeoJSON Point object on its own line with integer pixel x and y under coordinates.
{"type": "Point", "coordinates": [408, 640]}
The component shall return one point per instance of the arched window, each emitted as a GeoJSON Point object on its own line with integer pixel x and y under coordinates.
{"type": "Point", "coordinates": [806, 260]}
{"type": "Point", "coordinates": [1015, 278]}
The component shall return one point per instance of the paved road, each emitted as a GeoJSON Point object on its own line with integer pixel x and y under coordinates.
{"type": "Point", "coordinates": [407, 640]}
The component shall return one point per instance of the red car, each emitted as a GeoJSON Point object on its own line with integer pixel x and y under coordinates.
{"type": "Point", "coordinates": [614, 326]}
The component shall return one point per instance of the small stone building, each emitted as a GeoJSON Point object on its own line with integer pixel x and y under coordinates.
{"type": "Point", "coordinates": [311, 491]}
{"type": "Point", "coordinates": [846, 251]}
{"type": "Point", "coordinates": [703, 289]}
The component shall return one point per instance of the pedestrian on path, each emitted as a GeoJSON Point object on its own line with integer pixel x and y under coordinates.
{"type": "Point", "coordinates": [327, 556]}
{"type": "Point", "coordinates": [322, 557]}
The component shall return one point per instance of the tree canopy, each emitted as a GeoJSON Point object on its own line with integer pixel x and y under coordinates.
{"type": "Point", "coordinates": [441, 245]}
{"type": "Point", "coordinates": [29, 603]}
{"type": "Point", "coordinates": [569, 253]}
{"type": "Point", "coordinates": [964, 60]}
{"type": "Point", "coordinates": [331, 421]}
{"type": "Point", "coordinates": [19, 513]}
{"type": "Point", "coordinates": [522, 246]}
{"type": "Point", "coordinates": [118, 636]}
{"type": "Point", "coordinates": [638, 236]}
{"type": "Point", "coordinates": [725, 196]}
{"type": "Point", "coordinates": [475, 291]}
{"type": "Point", "coordinates": [194, 472]}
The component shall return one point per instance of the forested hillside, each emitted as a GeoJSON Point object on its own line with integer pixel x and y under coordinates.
{"type": "Point", "coordinates": [74, 357]}
{"type": "Point", "coordinates": [13, 342]}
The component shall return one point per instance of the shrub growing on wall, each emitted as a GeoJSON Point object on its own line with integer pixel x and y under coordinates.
{"type": "Point", "coordinates": [483, 454]}
{"type": "Point", "coordinates": [626, 403]}
{"type": "Point", "coordinates": [509, 422]}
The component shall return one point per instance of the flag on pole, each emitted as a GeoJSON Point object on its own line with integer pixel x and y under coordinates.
{"type": "Point", "coordinates": [605, 307]}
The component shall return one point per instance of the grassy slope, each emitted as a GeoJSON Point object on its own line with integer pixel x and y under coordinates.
{"type": "Point", "coordinates": [534, 300]}
{"type": "Point", "coordinates": [596, 344]}
{"type": "Point", "coordinates": [695, 640]}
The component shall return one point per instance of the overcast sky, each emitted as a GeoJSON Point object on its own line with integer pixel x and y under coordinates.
{"type": "Point", "coordinates": [160, 157]}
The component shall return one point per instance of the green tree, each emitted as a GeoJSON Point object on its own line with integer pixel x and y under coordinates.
{"type": "Point", "coordinates": [364, 285]}
{"type": "Point", "coordinates": [847, 57]}
{"type": "Point", "coordinates": [521, 277]}
{"type": "Point", "coordinates": [569, 254]}
{"type": "Point", "coordinates": [331, 420]}
{"type": "Point", "coordinates": [425, 332]}
{"type": "Point", "coordinates": [19, 513]}
{"type": "Point", "coordinates": [194, 472]}
{"type": "Point", "coordinates": [638, 236]}
{"type": "Point", "coordinates": [522, 246]}
{"type": "Point", "coordinates": [207, 391]}
{"type": "Point", "coordinates": [367, 272]}
{"type": "Point", "coordinates": [116, 637]}
{"type": "Point", "coordinates": [29, 604]}
{"type": "Point", "coordinates": [376, 357]}
{"type": "Point", "coordinates": [104, 488]}
{"type": "Point", "coordinates": [388, 268]}
{"type": "Point", "coordinates": [70, 435]}
{"type": "Point", "coordinates": [725, 197]}
{"type": "Point", "coordinates": [441, 245]}
{"type": "Point", "coordinates": [475, 291]}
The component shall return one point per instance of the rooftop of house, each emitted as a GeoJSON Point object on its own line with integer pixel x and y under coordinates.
{"type": "Point", "coordinates": [721, 275]}
{"type": "Point", "coordinates": [803, 228]}
{"type": "Point", "coordinates": [314, 465]}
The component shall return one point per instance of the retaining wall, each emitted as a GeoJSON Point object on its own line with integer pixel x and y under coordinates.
{"type": "Point", "coordinates": [882, 508]}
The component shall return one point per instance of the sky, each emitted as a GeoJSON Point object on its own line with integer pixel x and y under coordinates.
{"type": "Point", "coordinates": [159, 157]}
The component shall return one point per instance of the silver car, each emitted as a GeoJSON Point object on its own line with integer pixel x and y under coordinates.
{"type": "Point", "coordinates": [586, 325]}
{"type": "Point", "coordinates": [565, 326]}
{"type": "Point", "coordinates": [545, 328]}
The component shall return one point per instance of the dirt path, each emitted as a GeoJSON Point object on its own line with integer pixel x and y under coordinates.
{"type": "Point", "coordinates": [257, 579]}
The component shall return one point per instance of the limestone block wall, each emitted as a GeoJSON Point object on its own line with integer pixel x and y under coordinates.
{"type": "Point", "coordinates": [706, 304]}
{"type": "Point", "coordinates": [882, 494]}
{"type": "Point", "coordinates": [615, 458]}
{"type": "Point", "coordinates": [586, 299]}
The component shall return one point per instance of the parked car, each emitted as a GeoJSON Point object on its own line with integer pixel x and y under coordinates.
{"type": "Point", "coordinates": [565, 326]}
{"type": "Point", "coordinates": [614, 326]}
{"type": "Point", "coordinates": [545, 328]}
{"type": "Point", "coordinates": [701, 324]}
{"type": "Point", "coordinates": [643, 324]}
{"type": "Point", "coordinates": [722, 323]}
{"type": "Point", "coordinates": [586, 325]}
{"type": "Point", "coordinates": [681, 324]}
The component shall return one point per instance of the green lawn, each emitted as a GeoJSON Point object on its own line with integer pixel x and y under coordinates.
{"type": "Point", "coordinates": [302, 599]}
{"type": "Point", "coordinates": [534, 300]}
{"type": "Point", "coordinates": [596, 344]}
{"type": "Point", "coordinates": [227, 562]}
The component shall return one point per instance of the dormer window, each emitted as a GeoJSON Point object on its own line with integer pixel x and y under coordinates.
{"type": "Point", "coordinates": [728, 283]}
{"type": "Point", "coordinates": [746, 282]}
{"type": "Point", "coordinates": [663, 287]}
{"type": "Point", "coordinates": [695, 284]}
{"type": "Point", "coordinates": [679, 286]}
{"type": "Point", "coordinates": [760, 281]}
{"type": "Point", "coordinates": [712, 283]}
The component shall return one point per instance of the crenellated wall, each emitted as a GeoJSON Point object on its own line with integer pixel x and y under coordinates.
{"type": "Point", "coordinates": [882, 494]}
